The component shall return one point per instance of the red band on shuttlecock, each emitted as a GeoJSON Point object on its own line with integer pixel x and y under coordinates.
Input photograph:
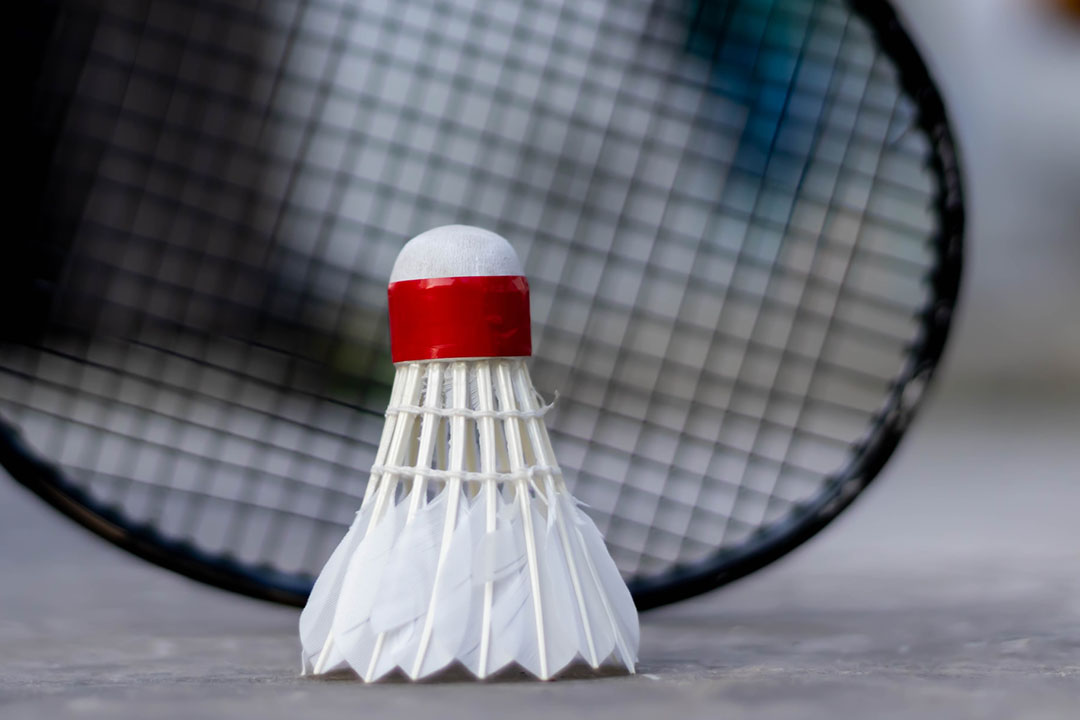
{"type": "Point", "coordinates": [460, 317]}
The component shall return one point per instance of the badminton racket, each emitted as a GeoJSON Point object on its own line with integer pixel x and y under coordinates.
{"type": "Point", "coordinates": [741, 221]}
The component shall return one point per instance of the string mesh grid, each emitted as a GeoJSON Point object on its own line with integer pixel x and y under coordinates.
{"type": "Point", "coordinates": [722, 208]}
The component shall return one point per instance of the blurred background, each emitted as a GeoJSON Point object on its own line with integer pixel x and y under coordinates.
{"type": "Point", "coordinates": [994, 465]}
{"type": "Point", "coordinates": [1006, 68]}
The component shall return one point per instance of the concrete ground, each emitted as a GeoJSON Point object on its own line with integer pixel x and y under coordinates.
{"type": "Point", "coordinates": [950, 590]}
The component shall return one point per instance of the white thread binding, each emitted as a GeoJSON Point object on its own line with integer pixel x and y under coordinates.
{"type": "Point", "coordinates": [474, 414]}
{"type": "Point", "coordinates": [528, 473]}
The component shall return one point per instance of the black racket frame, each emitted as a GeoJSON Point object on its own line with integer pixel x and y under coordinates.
{"type": "Point", "coordinates": [48, 481]}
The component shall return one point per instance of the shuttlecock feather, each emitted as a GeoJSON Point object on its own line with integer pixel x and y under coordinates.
{"type": "Point", "coordinates": [468, 547]}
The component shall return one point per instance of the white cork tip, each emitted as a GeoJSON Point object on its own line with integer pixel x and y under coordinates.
{"type": "Point", "coordinates": [455, 251]}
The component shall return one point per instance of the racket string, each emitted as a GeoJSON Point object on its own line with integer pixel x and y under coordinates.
{"type": "Point", "coordinates": [720, 209]}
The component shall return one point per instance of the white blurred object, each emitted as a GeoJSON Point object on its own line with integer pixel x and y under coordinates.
{"type": "Point", "coordinates": [468, 547]}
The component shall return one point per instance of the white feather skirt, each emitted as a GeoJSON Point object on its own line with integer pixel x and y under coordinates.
{"type": "Point", "coordinates": [468, 548]}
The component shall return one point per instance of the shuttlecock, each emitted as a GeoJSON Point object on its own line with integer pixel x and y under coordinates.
{"type": "Point", "coordinates": [468, 548]}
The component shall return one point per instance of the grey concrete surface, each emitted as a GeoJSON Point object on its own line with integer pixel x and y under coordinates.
{"type": "Point", "coordinates": [950, 590]}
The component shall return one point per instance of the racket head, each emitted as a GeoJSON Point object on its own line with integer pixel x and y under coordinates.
{"type": "Point", "coordinates": [253, 318]}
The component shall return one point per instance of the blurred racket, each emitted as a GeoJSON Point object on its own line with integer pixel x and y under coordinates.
{"type": "Point", "coordinates": [741, 221]}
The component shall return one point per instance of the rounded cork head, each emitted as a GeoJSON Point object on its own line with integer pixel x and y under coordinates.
{"type": "Point", "coordinates": [455, 251]}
